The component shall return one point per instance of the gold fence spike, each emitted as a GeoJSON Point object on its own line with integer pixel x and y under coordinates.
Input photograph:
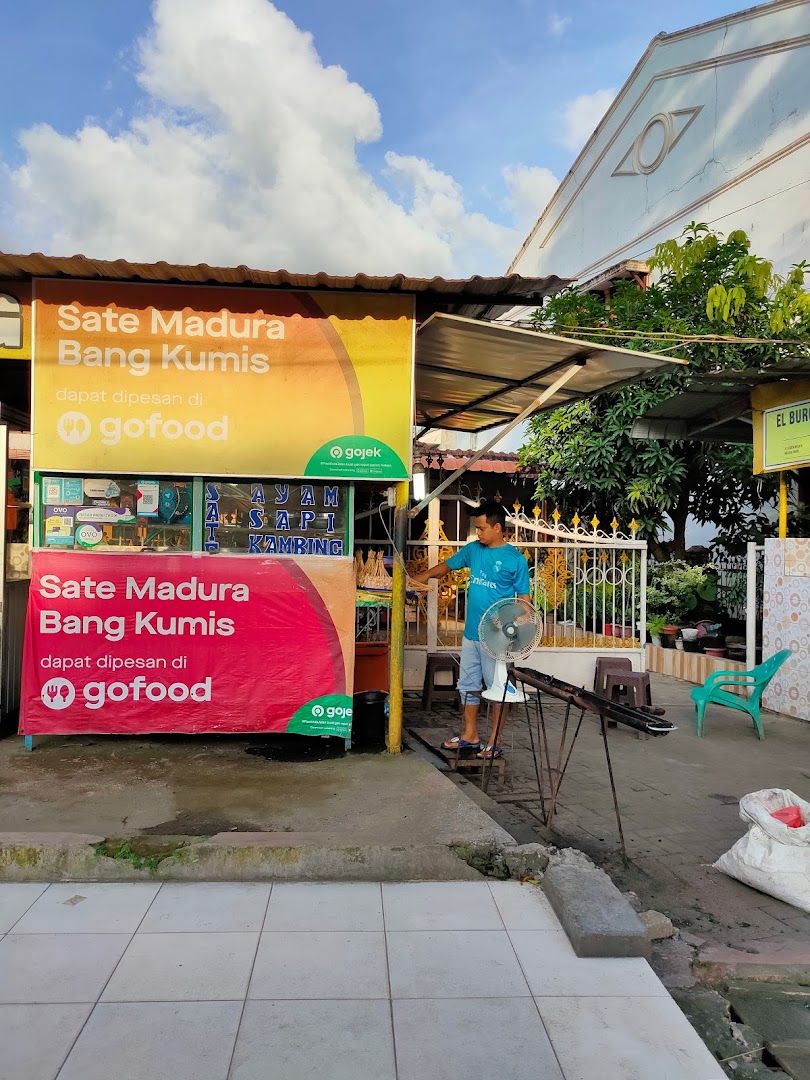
{"type": "Point", "coordinates": [634, 525]}
{"type": "Point", "coordinates": [536, 511]}
{"type": "Point", "coordinates": [556, 515]}
{"type": "Point", "coordinates": [517, 507]}
{"type": "Point", "coordinates": [575, 520]}
{"type": "Point", "coordinates": [595, 522]}
{"type": "Point", "coordinates": [614, 524]}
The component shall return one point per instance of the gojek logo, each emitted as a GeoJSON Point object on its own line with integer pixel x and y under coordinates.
{"type": "Point", "coordinates": [58, 693]}
{"type": "Point", "coordinates": [73, 427]}
{"type": "Point", "coordinates": [356, 455]}
{"type": "Point", "coordinates": [61, 693]}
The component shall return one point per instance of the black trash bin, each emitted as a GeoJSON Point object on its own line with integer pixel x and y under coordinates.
{"type": "Point", "coordinates": [369, 720]}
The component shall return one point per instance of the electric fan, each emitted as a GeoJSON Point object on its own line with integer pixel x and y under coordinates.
{"type": "Point", "coordinates": [508, 631]}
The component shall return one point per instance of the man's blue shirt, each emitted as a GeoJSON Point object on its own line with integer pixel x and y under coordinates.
{"type": "Point", "coordinates": [495, 573]}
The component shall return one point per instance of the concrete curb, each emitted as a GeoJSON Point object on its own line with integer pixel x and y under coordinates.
{"type": "Point", "coordinates": [767, 961]}
{"type": "Point", "coordinates": [596, 917]}
{"type": "Point", "coordinates": [226, 857]}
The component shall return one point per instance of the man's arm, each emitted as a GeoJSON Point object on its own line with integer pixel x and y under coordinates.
{"type": "Point", "coordinates": [525, 596]}
{"type": "Point", "coordinates": [437, 571]}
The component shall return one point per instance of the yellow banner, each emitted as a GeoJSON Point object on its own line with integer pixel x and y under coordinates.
{"type": "Point", "coordinates": [781, 417]}
{"type": "Point", "coordinates": [216, 381]}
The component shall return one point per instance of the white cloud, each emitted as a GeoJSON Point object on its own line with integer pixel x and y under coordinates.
{"type": "Point", "coordinates": [530, 190]}
{"type": "Point", "coordinates": [580, 117]}
{"type": "Point", "coordinates": [557, 25]}
{"type": "Point", "coordinates": [247, 153]}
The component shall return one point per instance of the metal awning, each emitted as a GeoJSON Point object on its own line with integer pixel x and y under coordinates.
{"type": "Point", "coordinates": [715, 407]}
{"type": "Point", "coordinates": [473, 375]}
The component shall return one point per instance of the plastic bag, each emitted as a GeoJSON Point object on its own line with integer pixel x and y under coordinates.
{"type": "Point", "coordinates": [790, 816]}
{"type": "Point", "coordinates": [772, 857]}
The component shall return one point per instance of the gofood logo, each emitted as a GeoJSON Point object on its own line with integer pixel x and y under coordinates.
{"type": "Point", "coordinates": [59, 694]}
{"type": "Point", "coordinates": [73, 427]}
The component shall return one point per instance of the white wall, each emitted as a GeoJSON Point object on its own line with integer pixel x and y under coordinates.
{"type": "Point", "coordinates": [743, 161]}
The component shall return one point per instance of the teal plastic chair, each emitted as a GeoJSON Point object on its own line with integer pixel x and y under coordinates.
{"type": "Point", "coordinates": [757, 679]}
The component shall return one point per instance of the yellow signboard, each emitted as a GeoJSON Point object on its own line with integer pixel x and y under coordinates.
{"type": "Point", "coordinates": [781, 415]}
{"type": "Point", "coordinates": [221, 381]}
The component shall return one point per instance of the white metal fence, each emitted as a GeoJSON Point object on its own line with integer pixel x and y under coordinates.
{"type": "Point", "coordinates": [589, 582]}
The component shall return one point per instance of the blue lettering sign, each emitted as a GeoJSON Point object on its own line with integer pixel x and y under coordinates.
{"type": "Point", "coordinates": [270, 545]}
{"type": "Point", "coordinates": [256, 518]}
{"type": "Point", "coordinates": [307, 495]}
{"type": "Point", "coordinates": [335, 547]}
{"type": "Point", "coordinates": [212, 492]}
{"type": "Point", "coordinates": [282, 520]}
{"type": "Point", "coordinates": [257, 494]}
{"type": "Point", "coordinates": [307, 517]}
{"type": "Point", "coordinates": [254, 544]}
{"type": "Point", "coordinates": [282, 493]}
{"type": "Point", "coordinates": [330, 496]}
{"type": "Point", "coordinates": [211, 513]}
{"type": "Point", "coordinates": [285, 545]}
{"type": "Point", "coordinates": [330, 523]}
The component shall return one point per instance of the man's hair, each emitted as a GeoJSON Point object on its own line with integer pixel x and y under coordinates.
{"type": "Point", "coordinates": [493, 512]}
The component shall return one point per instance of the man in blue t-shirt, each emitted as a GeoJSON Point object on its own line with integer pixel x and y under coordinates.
{"type": "Point", "coordinates": [497, 570]}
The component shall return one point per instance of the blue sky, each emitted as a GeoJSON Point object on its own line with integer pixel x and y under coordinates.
{"type": "Point", "coordinates": [464, 91]}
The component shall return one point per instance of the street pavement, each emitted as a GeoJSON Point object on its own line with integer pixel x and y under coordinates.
{"type": "Point", "coordinates": [679, 798]}
{"type": "Point", "coordinates": [363, 981]}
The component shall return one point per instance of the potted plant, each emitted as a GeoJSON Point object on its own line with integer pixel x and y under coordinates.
{"type": "Point", "coordinates": [654, 627]}
{"type": "Point", "coordinates": [679, 592]}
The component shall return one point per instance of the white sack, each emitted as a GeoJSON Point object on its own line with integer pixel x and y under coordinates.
{"type": "Point", "coordinates": [772, 857]}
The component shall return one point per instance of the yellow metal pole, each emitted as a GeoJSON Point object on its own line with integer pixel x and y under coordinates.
{"type": "Point", "coordinates": [397, 658]}
{"type": "Point", "coordinates": [783, 505]}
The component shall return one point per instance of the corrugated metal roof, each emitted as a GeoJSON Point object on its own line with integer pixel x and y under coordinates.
{"type": "Point", "coordinates": [473, 290]}
{"type": "Point", "coordinates": [473, 375]}
{"type": "Point", "coordinates": [715, 407]}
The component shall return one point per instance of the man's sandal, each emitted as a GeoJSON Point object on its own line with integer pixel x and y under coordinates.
{"type": "Point", "coordinates": [490, 752]}
{"type": "Point", "coordinates": [457, 743]}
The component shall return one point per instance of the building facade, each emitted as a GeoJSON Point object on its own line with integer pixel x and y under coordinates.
{"type": "Point", "coordinates": [713, 125]}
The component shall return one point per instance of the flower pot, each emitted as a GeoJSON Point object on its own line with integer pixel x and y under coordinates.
{"type": "Point", "coordinates": [668, 639]}
{"type": "Point", "coordinates": [692, 646]}
{"type": "Point", "coordinates": [715, 642]}
{"type": "Point", "coordinates": [679, 644]}
{"type": "Point", "coordinates": [717, 653]}
{"type": "Point", "coordinates": [689, 633]}
{"type": "Point", "coordinates": [656, 640]}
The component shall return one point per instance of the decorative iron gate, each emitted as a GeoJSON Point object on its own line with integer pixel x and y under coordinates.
{"type": "Point", "coordinates": [590, 584]}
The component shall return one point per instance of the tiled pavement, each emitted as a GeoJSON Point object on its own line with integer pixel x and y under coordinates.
{"type": "Point", "coordinates": [471, 980]}
{"type": "Point", "coordinates": [679, 798]}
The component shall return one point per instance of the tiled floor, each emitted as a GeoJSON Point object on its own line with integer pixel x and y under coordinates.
{"type": "Point", "coordinates": [471, 980]}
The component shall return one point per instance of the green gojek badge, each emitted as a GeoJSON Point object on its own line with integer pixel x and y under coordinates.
{"type": "Point", "coordinates": [357, 457]}
{"type": "Point", "coordinates": [328, 715]}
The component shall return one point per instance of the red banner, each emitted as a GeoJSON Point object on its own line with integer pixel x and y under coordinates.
{"type": "Point", "coordinates": [182, 643]}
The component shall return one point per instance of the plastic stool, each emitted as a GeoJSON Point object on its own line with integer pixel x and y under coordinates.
{"type": "Point", "coordinates": [631, 687]}
{"type": "Point", "coordinates": [604, 664]}
{"type": "Point", "coordinates": [439, 662]}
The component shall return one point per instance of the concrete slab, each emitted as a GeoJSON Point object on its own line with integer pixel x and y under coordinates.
{"type": "Point", "coordinates": [185, 809]}
{"type": "Point", "coordinates": [597, 918]}
{"type": "Point", "coordinates": [779, 1011]}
